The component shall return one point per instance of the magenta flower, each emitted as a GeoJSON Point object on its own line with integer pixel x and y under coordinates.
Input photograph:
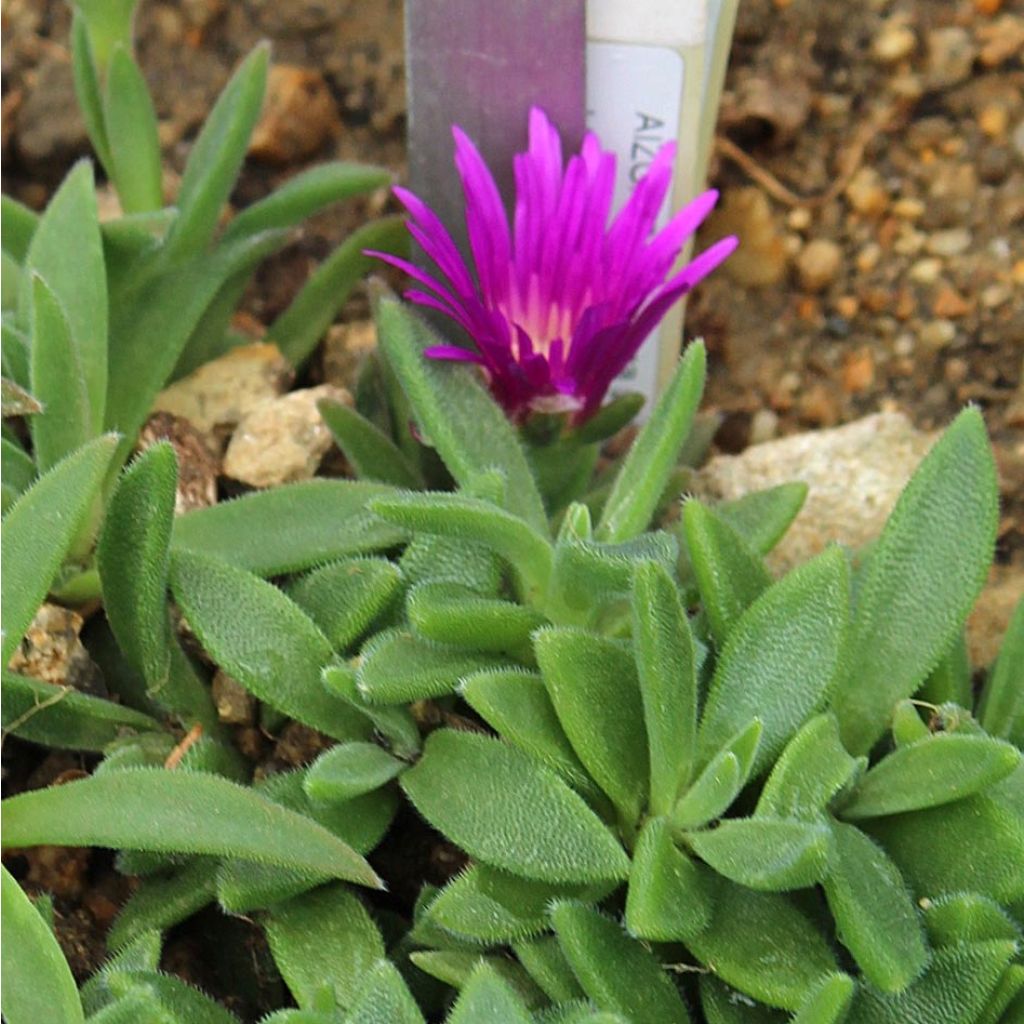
{"type": "Point", "coordinates": [560, 304]}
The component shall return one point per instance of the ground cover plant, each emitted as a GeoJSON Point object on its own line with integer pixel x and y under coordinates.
{"type": "Point", "coordinates": [682, 790]}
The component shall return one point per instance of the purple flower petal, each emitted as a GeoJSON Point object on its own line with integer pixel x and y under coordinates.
{"type": "Point", "coordinates": [561, 301]}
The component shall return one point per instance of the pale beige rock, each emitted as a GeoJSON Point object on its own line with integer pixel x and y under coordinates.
{"type": "Point", "coordinates": [894, 42]}
{"type": "Point", "coordinates": [818, 264]}
{"type": "Point", "coordinates": [854, 474]}
{"type": "Point", "coordinates": [283, 440]}
{"type": "Point", "coordinates": [218, 395]}
{"type": "Point", "coordinates": [992, 612]}
{"type": "Point", "coordinates": [346, 348]}
{"type": "Point", "coordinates": [52, 652]}
{"type": "Point", "coordinates": [761, 257]}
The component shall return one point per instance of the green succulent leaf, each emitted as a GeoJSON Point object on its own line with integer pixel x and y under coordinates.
{"type": "Point", "coordinates": [298, 329]}
{"type": "Point", "coordinates": [812, 769]}
{"type": "Point", "coordinates": [720, 782]}
{"type": "Point", "coordinates": [217, 156]}
{"type": "Point", "coordinates": [39, 530]}
{"type": "Point", "coordinates": [305, 193]}
{"type": "Point", "coordinates": [729, 575]}
{"type": "Point", "coordinates": [928, 846]}
{"type": "Point", "coordinates": [384, 999]}
{"type": "Point", "coordinates": [17, 226]}
{"type": "Point", "coordinates": [503, 807]}
{"type": "Point", "coordinates": [141, 955]}
{"type": "Point", "coordinates": [262, 639]}
{"type": "Point", "coordinates": [493, 906]}
{"type": "Point", "coordinates": [829, 1003]}
{"type": "Point", "coordinates": [617, 972]}
{"type": "Point", "coordinates": [547, 966]}
{"type": "Point", "coordinates": [397, 667]}
{"type": "Point", "coordinates": [516, 704]}
{"type": "Point", "coordinates": [162, 901]}
{"type": "Point", "coordinates": [1002, 704]}
{"type": "Point", "coordinates": [473, 519]}
{"type": "Point", "coordinates": [938, 770]}
{"type": "Point", "coordinates": [670, 897]}
{"type": "Point", "coordinates": [17, 472]}
{"type": "Point", "coordinates": [921, 578]}
{"type": "Point", "coordinates": [588, 573]}
{"type": "Point", "coordinates": [875, 916]}
{"type": "Point", "coordinates": [953, 990]}
{"type": "Point", "coordinates": [154, 997]}
{"type": "Point", "coordinates": [323, 939]}
{"type": "Point", "coordinates": [967, 917]}
{"type": "Point", "coordinates": [771, 854]}
{"type": "Point", "coordinates": [344, 598]}
{"type": "Point", "coordinates": [723, 1005]}
{"type": "Point", "coordinates": [37, 983]}
{"type": "Point", "coordinates": [289, 528]}
{"type": "Point", "coordinates": [372, 454]}
{"type": "Point", "coordinates": [243, 887]}
{"type": "Point", "coordinates": [782, 659]}
{"type": "Point", "coordinates": [395, 724]}
{"type": "Point", "coordinates": [639, 484]}
{"type": "Point", "coordinates": [160, 299]}
{"type": "Point", "coordinates": [592, 683]}
{"type": "Point", "coordinates": [350, 770]}
{"type": "Point", "coordinates": [761, 518]}
{"type": "Point", "coordinates": [950, 680]}
{"type": "Point", "coordinates": [58, 381]}
{"type": "Point", "coordinates": [667, 670]}
{"type": "Point", "coordinates": [455, 967]}
{"type": "Point", "coordinates": [66, 251]}
{"type": "Point", "coordinates": [455, 614]}
{"type": "Point", "coordinates": [59, 716]}
{"type": "Point", "coordinates": [487, 996]}
{"type": "Point", "coordinates": [179, 812]}
{"type": "Point", "coordinates": [762, 945]}
{"type": "Point", "coordinates": [453, 409]}
{"type": "Point", "coordinates": [131, 132]}
{"type": "Point", "coordinates": [133, 560]}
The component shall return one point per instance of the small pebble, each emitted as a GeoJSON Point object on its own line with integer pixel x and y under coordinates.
{"type": "Point", "coordinates": [847, 306]}
{"type": "Point", "coordinates": [909, 242]}
{"type": "Point", "coordinates": [951, 242]}
{"type": "Point", "coordinates": [866, 193]}
{"type": "Point", "coordinates": [764, 425]}
{"type": "Point", "coordinates": [994, 163]}
{"type": "Point", "coordinates": [951, 54]}
{"type": "Point", "coordinates": [868, 257]}
{"type": "Point", "coordinates": [818, 264]}
{"type": "Point", "coordinates": [992, 120]}
{"type": "Point", "coordinates": [938, 333]}
{"type": "Point", "coordinates": [956, 370]}
{"type": "Point", "coordinates": [925, 271]}
{"type": "Point", "coordinates": [904, 345]}
{"type": "Point", "coordinates": [894, 42]}
{"type": "Point", "coordinates": [858, 373]}
{"type": "Point", "coordinates": [1017, 138]}
{"type": "Point", "coordinates": [995, 295]}
{"type": "Point", "coordinates": [950, 304]}
{"type": "Point", "coordinates": [908, 209]}
{"type": "Point", "coordinates": [799, 218]}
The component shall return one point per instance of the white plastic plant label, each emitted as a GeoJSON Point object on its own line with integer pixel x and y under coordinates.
{"type": "Point", "coordinates": [633, 104]}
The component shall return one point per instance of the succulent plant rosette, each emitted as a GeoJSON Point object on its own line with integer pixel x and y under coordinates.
{"type": "Point", "coordinates": [664, 784]}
